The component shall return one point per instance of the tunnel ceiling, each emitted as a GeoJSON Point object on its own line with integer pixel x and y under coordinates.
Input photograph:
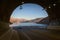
{"type": "Point", "coordinates": [7, 7]}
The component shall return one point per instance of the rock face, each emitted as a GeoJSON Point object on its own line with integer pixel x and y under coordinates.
{"type": "Point", "coordinates": [36, 20]}
{"type": "Point", "coordinates": [40, 20]}
{"type": "Point", "coordinates": [44, 21]}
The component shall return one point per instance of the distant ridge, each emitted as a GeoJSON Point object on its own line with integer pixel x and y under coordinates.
{"type": "Point", "coordinates": [17, 20]}
{"type": "Point", "coordinates": [37, 20]}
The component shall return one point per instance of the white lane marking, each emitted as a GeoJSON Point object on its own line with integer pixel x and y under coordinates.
{"type": "Point", "coordinates": [26, 35]}
{"type": "Point", "coordinates": [11, 35]}
{"type": "Point", "coordinates": [5, 33]}
{"type": "Point", "coordinates": [17, 34]}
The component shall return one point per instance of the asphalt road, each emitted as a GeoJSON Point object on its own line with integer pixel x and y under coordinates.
{"type": "Point", "coordinates": [37, 35]}
{"type": "Point", "coordinates": [30, 34]}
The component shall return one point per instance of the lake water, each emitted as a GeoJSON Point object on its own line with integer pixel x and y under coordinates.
{"type": "Point", "coordinates": [28, 24]}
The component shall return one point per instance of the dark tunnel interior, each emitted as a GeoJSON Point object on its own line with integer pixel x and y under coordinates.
{"type": "Point", "coordinates": [50, 32]}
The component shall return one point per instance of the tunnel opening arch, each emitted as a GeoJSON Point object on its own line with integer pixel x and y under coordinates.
{"type": "Point", "coordinates": [11, 5]}
{"type": "Point", "coordinates": [34, 4]}
{"type": "Point", "coordinates": [16, 5]}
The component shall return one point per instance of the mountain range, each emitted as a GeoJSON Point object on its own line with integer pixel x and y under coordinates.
{"type": "Point", "coordinates": [17, 20]}
{"type": "Point", "coordinates": [40, 20]}
{"type": "Point", "coordinates": [37, 20]}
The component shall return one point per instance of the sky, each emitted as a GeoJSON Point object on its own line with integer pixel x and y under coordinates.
{"type": "Point", "coordinates": [29, 11]}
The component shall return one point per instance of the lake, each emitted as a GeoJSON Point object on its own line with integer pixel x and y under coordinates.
{"type": "Point", "coordinates": [28, 24]}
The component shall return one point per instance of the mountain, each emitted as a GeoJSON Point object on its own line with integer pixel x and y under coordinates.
{"type": "Point", "coordinates": [44, 21]}
{"type": "Point", "coordinates": [40, 20]}
{"type": "Point", "coordinates": [16, 20]}
{"type": "Point", "coordinates": [37, 20]}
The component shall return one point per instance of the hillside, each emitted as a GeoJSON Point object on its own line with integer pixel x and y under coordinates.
{"type": "Point", "coordinates": [37, 20]}
{"type": "Point", "coordinates": [40, 20]}
{"type": "Point", "coordinates": [44, 21]}
{"type": "Point", "coordinates": [16, 20]}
